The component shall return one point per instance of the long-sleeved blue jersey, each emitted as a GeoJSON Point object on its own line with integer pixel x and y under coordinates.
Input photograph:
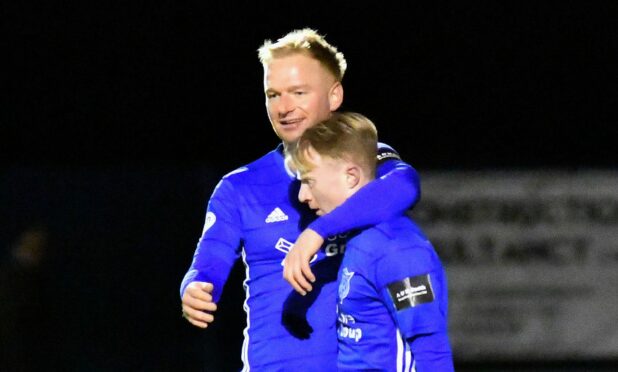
{"type": "Point", "coordinates": [254, 212]}
{"type": "Point", "coordinates": [392, 302]}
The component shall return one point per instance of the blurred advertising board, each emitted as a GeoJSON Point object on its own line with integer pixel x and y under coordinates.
{"type": "Point", "coordinates": [531, 258]}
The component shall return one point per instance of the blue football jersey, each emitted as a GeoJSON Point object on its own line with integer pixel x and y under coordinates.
{"type": "Point", "coordinates": [254, 213]}
{"type": "Point", "coordinates": [392, 302]}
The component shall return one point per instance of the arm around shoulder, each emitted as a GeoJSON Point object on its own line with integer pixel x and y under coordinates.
{"type": "Point", "coordinates": [395, 190]}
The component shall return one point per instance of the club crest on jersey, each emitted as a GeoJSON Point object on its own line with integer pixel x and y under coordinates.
{"type": "Point", "coordinates": [285, 246]}
{"type": "Point", "coordinates": [210, 220]}
{"type": "Point", "coordinates": [344, 285]}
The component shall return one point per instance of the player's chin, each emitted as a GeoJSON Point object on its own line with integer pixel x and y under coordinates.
{"type": "Point", "coordinates": [287, 138]}
{"type": "Point", "coordinates": [291, 136]}
{"type": "Point", "coordinates": [290, 133]}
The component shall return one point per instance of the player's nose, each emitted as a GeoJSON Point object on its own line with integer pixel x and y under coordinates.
{"type": "Point", "coordinates": [304, 196]}
{"type": "Point", "coordinates": [286, 104]}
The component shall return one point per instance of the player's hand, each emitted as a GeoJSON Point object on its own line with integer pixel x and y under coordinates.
{"type": "Point", "coordinates": [197, 304]}
{"type": "Point", "coordinates": [296, 269]}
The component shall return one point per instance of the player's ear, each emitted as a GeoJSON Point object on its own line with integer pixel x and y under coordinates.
{"type": "Point", "coordinates": [353, 175]}
{"type": "Point", "coordinates": [335, 96]}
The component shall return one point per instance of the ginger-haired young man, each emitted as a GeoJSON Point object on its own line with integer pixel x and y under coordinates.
{"type": "Point", "coordinates": [392, 297]}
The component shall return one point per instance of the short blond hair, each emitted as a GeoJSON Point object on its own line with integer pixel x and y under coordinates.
{"type": "Point", "coordinates": [345, 135]}
{"type": "Point", "coordinates": [306, 41]}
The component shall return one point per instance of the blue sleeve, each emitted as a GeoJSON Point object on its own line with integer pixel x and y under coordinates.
{"type": "Point", "coordinates": [395, 190]}
{"type": "Point", "coordinates": [431, 352]}
{"type": "Point", "coordinates": [413, 287]}
{"type": "Point", "coordinates": [219, 245]}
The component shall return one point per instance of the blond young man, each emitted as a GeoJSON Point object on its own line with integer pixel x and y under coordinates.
{"type": "Point", "coordinates": [253, 213]}
{"type": "Point", "coordinates": [392, 297]}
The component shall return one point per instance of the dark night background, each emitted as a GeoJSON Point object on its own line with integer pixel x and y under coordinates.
{"type": "Point", "coordinates": [119, 118]}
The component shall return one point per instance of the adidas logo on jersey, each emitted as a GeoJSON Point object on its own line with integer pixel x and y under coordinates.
{"type": "Point", "coordinates": [276, 215]}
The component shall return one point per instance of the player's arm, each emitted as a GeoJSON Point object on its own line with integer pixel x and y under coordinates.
{"type": "Point", "coordinates": [216, 252]}
{"type": "Point", "coordinates": [415, 294]}
{"type": "Point", "coordinates": [395, 190]}
{"type": "Point", "coordinates": [431, 352]}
